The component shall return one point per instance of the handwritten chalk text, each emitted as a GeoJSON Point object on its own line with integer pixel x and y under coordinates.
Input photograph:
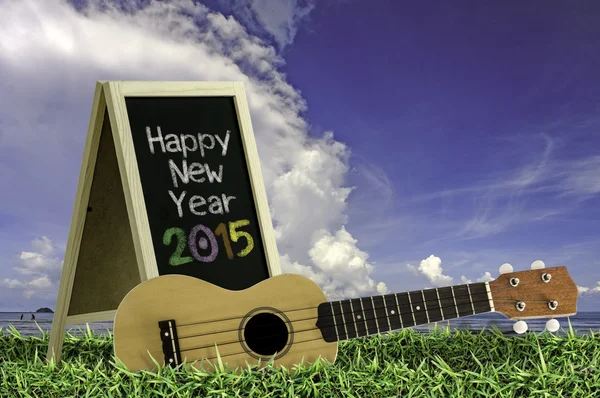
{"type": "Point", "coordinates": [193, 172]}
{"type": "Point", "coordinates": [185, 143]}
{"type": "Point", "coordinates": [216, 204]}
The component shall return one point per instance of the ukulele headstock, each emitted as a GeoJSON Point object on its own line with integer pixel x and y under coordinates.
{"type": "Point", "coordinates": [538, 293]}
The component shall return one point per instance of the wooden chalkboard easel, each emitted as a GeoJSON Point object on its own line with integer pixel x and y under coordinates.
{"type": "Point", "coordinates": [113, 242]}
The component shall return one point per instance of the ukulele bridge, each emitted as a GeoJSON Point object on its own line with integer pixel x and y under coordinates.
{"type": "Point", "coordinates": [170, 342]}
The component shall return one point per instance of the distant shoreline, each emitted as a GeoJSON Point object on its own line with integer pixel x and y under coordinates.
{"type": "Point", "coordinates": [38, 311]}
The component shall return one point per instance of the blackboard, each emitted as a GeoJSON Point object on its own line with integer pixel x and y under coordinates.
{"type": "Point", "coordinates": [197, 190]}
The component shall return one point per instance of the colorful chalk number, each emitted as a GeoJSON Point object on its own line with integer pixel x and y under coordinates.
{"type": "Point", "coordinates": [236, 235]}
{"type": "Point", "coordinates": [202, 237]}
{"type": "Point", "coordinates": [193, 244]}
{"type": "Point", "coordinates": [176, 258]}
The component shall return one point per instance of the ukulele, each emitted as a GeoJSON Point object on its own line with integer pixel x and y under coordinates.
{"type": "Point", "coordinates": [287, 318]}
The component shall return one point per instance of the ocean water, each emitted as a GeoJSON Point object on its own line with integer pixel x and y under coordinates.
{"type": "Point", "coordinates": [582, 323]}
{"type": "Point", "coordinates": [43, 321]}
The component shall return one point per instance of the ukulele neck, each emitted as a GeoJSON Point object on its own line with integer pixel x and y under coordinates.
{"type": "Point", "coordinates": [360, 317]}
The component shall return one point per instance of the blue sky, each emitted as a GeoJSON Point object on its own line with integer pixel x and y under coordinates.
{"type": "Point", "coordinates": [435, 142]}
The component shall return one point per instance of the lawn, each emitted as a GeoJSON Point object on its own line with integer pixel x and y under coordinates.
{"type": "Point", "coordinates": [405, 364]}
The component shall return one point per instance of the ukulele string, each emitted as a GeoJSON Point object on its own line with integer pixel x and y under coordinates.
{"type": "Point", "coordinates": [300, 331]}
{"type": "Point", "coordinates": [239, 353]}
{"type": "Point", "coordinates": [342, 314]}
{"type": "Point", "coordinates": [335, 326]}
{"type": "Point", "coordinates": [374, 308]}
{"type": "Point", "coordinates": [344, 323]}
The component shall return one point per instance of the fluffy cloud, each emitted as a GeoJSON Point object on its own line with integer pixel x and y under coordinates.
{"type": "Point", "coordinates": [12, 283]}
{"type": "Point", "coordinates": [344, 265]}
{"type": "Point", "coordinates": [39, 271]}
{"type": "Point", "coordinates": [486, 277]}
{"type": "Point", "coordinates": [43, 246]}
{"type": "Point", "coordinates": [431, 269]}
{"type": "Point", "coordinates": [50, 57]}
{"type": "Point", "coordinates": [588, 291]}
{"type": "Point", "coordinates": [37, 264]}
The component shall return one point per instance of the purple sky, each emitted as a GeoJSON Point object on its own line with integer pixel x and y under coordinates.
{"type": "Point", "coordinates": [454, 96]}
{"type": "Point", "coordinates": [472, 131]}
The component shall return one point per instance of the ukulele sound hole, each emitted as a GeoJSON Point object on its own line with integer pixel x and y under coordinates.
{"type": "Point", "coordinates": [266, 334]}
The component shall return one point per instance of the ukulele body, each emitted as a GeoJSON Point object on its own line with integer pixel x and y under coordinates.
{"type": "Point", "coordinates": [275, 318]}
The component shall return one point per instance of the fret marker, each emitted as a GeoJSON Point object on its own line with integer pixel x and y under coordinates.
{"type": "Point", "coordinates": [418, 308]}
{"type": "Point", "coordinates": [392, 312]}
{"type": "Point", "coordinates": [358, 317]}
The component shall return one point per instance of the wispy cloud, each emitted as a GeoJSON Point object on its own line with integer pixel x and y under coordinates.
{"type": "Point", "coordinates": [374, 191]}
{"type": "Point", "coordinates": [280, 19]}
{"type": "Point", "coordinates": [545, 185]}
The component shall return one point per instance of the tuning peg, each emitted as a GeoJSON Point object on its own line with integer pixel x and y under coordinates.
{"type": "Point", "coordinates": [505, 268]}
{"type": "Point", "coordinates": [552, 325]}
{"type": "Point", "coordinates": [538, 264]}
{"type": "Point", "coordinates": [520, 327]}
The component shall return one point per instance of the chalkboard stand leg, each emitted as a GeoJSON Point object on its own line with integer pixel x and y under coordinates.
{"type": "Point", "coordinates": [57, 333]}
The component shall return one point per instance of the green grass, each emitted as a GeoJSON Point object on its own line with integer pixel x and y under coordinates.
{"type": "Point", "coordinates": [406, 364]}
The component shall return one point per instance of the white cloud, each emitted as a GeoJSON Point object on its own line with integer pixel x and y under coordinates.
{"type": "Point", "coordinates": [279, 19]}
{"type": "Point", "coordinates": [12, 283]}
{"type": "Point", "coordinates": [41, 283]}
{"type": "Point", "coordinates": [338, 258]}
{"type": "Point", "coordinates": [431, 268]}
{"type": "Point", "coordinates": [37, 264]}
{"type": "Point", "coordinates": [309, 198]}
{"type": "Point", "coordinates": [582, 289]}
{"type": "Point", "coordinates": [43, 246]}
{"type": "Point", "coordinates": [486, 277]}
{"type": "Point", "coordinates": [586, 290]}
{"type": "Point", "coordinates": [50, 57]}
{"type": "Point", "coordinates": [39, 273]}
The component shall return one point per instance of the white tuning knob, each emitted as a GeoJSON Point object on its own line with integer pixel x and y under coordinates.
{"type": "Point", "coordinates": [520, 327]}
{"type": "Point", "coordinates": [505, 268]}
{"type": "Point", "coordinates": [538, 264]}
{"type": "Point", "coordinates": [552, 325]}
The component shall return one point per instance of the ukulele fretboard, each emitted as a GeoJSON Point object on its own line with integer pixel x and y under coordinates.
{"type": "Point", "coordinates": [348, 319]}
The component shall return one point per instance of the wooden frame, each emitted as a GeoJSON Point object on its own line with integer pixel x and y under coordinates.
{"type": "Point", "coordinates": [100, 240]}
